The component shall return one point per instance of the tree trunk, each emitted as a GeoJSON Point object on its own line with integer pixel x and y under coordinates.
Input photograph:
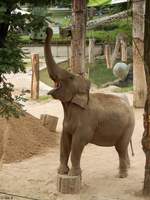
{"type": "Point", "coordinates": [146, 136]}
{"type": "Point", "coordinates": [138, 52]}
{"type": "Point", "coordinates": [78, 36]}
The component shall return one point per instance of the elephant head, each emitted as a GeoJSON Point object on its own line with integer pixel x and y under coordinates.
{"type": "Point", "coordinates": [68, 87]}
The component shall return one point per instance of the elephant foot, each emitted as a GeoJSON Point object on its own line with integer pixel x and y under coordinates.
{"type": "Point", "coordinates": [74, 172]}
{"type": "Point", "coordinates": [123, 174]}
{"type": "Point", "coordinates": [63, 170]}
{"type": "Point", "coordinates": [128, 165]}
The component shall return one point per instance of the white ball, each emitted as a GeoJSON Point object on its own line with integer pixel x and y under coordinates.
{"type": "Point", "coordinates": [121, 70]}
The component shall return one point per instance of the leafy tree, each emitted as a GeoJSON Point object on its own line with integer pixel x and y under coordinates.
{"type": "Point", "coordinates": [11, 55]}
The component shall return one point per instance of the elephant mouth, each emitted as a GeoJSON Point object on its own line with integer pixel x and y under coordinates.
{"type": "Point", "coordinates": [57, 85]}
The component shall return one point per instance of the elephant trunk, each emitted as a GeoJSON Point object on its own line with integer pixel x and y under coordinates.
{"type": "Point", "coordinates": [55, 73]}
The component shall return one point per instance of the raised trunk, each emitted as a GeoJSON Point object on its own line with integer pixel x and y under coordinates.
{"type": "Point", "coordinates": [55, 72]}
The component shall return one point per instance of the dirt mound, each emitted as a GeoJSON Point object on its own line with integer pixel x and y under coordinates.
{"type": "Point", "coordinates": [24, 137]}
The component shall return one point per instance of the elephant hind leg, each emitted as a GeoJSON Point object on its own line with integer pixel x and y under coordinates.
{"type": "Point", "coordinates": [124, 162]}
{"type": "Point", "coordinates": [128, 159]}
{"type": "Point", "coordinates": [122, 149]}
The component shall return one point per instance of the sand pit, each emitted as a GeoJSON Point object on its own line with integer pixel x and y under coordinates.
{"type": "Point", "coordinates": [24, 137]}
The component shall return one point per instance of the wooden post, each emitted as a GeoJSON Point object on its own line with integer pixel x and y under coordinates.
{"type": "Point", "coordinates": [139, 81]}
{"type": "Point", "coordinates": [91, 50]}
{"type": "Point", "coordinates": [78, 36]}
{"type": "Point", "coordinates": [124, 57]}
{"type": "Point", "coordinates": [68, 184]}
{"type": "Point", "coordinates": [108, 56]}
{"type": "Point", "coordinates": [49, 122]}
{"type": "Point", "coordinates": [146, 136]}
{"type": "Point", "coordinates": [35, 77]}
{"type": "Point", "coordinates": [116, 52]}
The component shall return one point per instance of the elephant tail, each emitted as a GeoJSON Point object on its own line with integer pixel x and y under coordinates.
{"type": "Point", "coordinates": [131, 145]}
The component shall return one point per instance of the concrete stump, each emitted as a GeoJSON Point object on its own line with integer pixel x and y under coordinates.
{"type": "Point", "coordinates": [68, 184]}
{"type": "Point", "coordinates": [50, 122]}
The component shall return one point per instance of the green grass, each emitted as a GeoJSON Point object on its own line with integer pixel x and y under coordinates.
{"type": "Point", "coordinates": [44, 98]}
{"type": "Point", "coordinates": [124, 89]}
{"type": "Point", "coordinates": [44, 77]}
{"type": "Point", "coordinates": [99, 74]}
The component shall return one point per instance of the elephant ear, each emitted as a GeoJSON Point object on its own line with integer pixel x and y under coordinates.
{"type": "Point", "coordinates": [81, 100]}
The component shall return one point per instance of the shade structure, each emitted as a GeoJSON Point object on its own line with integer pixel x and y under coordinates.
{"type": "Point", "coordinates": [104, 2]}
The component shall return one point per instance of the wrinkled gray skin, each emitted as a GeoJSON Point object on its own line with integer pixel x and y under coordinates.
{"type": "Point", "coordinates": [100, 119]}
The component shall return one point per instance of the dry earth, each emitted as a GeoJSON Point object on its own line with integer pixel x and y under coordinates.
{"type": "Point", "coordinates": [36, 177]}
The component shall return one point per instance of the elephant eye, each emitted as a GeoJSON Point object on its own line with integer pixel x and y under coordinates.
{"type": "Point", "coordinates": [71, 77]}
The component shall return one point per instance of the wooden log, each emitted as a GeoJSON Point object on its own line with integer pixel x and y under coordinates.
{"type": "Point", "coordinates": [108, 56]}
{"type": "Point", "coordinates": [50, 122]}
{"type": "Point", "coordinates": [35, 77]}
{"type": "Point", "coordinates": [68, 184]}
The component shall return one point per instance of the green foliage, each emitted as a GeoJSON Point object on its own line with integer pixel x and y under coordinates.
{"type": "Point", "coordinates": [108, 33]}
{"type": "Point", "coordinates": [11, 56]}
{"type": "Point", "coordinates": [66, 22]}
{"type": "Point", "coordinates": [9, 105]}
{"type": "Point", "coordinates": [98, 2]}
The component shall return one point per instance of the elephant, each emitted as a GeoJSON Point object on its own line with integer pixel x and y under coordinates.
{"type": "Point", "coordinates": [101, 119]}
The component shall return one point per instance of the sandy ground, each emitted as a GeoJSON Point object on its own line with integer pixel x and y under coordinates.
{"type": "Point", "coordinates": [36, 177]}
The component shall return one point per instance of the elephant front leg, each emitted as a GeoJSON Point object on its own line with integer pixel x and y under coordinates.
{"type": "Point", "coordinates": [76, 151]}
{"type": "Point", "coordinates": [65, 148]}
